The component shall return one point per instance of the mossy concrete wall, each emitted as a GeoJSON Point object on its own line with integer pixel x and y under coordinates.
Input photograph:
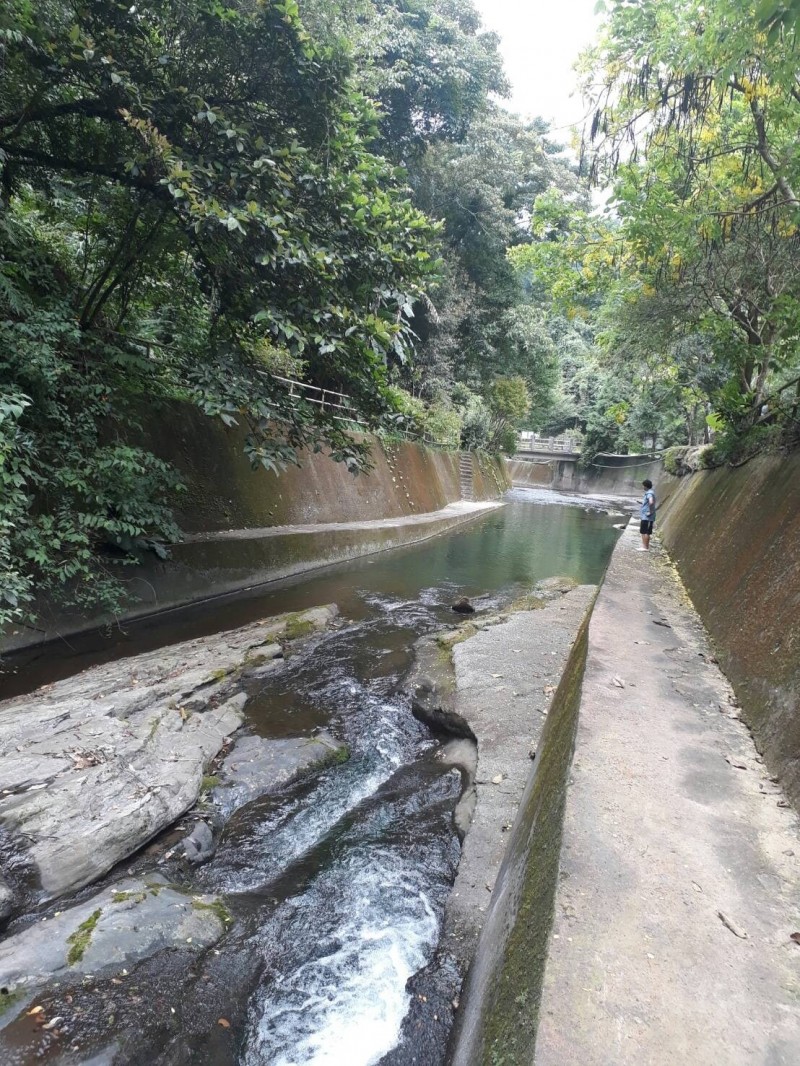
{"type": "Point", "coordinates": [224, 492]}
{"type": "Point", "coordinates": [498, 1014]}
{"type": "Point", "coordinates": [613, 475]}
{"type": "Point", "coordinates": [735, 538]}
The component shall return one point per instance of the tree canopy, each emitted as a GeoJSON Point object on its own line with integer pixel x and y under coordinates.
{"type": "Point", "coordinates": [190, 202]}
{"type": "Point", "coordinates": [689, 276]}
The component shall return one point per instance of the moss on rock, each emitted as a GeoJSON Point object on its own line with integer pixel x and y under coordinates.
{"type": "Point", "coordinates": [80, 940]}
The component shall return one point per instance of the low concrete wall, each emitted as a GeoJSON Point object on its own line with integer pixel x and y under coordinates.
{"type": "Point", "coordinates": [499, 1003]}
{"type": "Point", "coordinates": [225, 494]}
{"type": "Point", "coordinates": [614, 475]}
{"type": "Point", "coordinates": [735, 537]}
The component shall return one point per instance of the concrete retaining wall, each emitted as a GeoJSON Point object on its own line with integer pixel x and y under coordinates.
{"type": "Point", "coordinates": [224, 492]}
{"type": "Point", "coordinates": [735, 537]}
{"type": "Point", "coordinates": [263, 508]}
{"type": "Point", "coordinates": [499, 1002]}
{"type": "Point", "coordinates": [615, 475]}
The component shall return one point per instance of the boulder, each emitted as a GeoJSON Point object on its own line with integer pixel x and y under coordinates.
{"type": "Point", "coordinates": [198, 846]}
{"type": "Point", "coordinates": [463, 606]}
{"type": "Point", "coordinates": [96, 765]}
{"type": "Point", "coordinates": [259, 765]}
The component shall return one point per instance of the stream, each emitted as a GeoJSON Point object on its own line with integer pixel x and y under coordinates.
{"type": "Point", "coordinates": [336, 884]}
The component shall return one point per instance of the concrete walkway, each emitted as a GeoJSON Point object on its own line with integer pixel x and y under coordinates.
{"type": "Point", "coordinates": [680, 870]}
{"type": "Point", "coordinates": [461, 509]}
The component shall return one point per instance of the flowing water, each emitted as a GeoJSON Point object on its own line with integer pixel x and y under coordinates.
{"type": "Point", "coordinates": [338, 884]}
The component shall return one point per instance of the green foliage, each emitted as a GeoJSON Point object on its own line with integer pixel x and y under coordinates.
{"type": "Point", "coordinates": [427, 63]}
{"type": "Point", "coordinates": [443, 425]}
{"type": "Point", "coordinates": [509, 399]}
{"type": "Point", "coordinates": [190, 206]}
{"type": "Point", "coordinates": [705, 240]}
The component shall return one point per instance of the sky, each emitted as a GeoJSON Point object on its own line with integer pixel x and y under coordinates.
{"type": "Point", "coordinates": [540, 40]}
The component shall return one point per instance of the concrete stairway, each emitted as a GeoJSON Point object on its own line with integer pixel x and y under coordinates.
{"type": "Point", "coordinates": [465, 472]}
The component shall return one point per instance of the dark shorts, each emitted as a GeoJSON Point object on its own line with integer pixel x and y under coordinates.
{"type": "Point", "coordinates": [645, 527]}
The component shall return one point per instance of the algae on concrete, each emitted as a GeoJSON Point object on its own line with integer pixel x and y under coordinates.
{"type": "Point", "coordinates": [498, 1017]}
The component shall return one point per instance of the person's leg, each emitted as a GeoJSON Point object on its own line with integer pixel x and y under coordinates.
{"type": "Point", "coordinates": [646, 541]}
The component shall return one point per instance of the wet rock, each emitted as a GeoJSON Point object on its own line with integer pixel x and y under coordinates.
{"type": "Point", "coordinates": [552, 588]}
{"type": "Point", "coordinates": [434, 707]}
{"type": "Point", "coordinates": [110, 932]}
{"type": "Point", "coordinates": [259, 765]}
{"type": "Point", "coordinates": [6, 900]}
{"type": "Point", "coordinates": [199, 845]}
{"type": "Point", "coordinates": [96, 765]}
{"type": "Point", "coordinates": [463, 606]}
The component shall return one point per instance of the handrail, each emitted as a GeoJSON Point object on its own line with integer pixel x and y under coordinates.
{"type": "Point", "coordinates": [546, 444]}
{"type": "Point", "coordinates": [323, 400]}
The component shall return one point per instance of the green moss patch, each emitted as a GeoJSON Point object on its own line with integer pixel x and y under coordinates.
{"type": "Point", "coordinates": [80, 940]}
{"type": "Point", "coordinates": [217, 907]}
{"type": "Point", "coordinates": [9, 997]}
{"type": "Point", "coordinates": [124, 897]}
{"type": "Point", "coordinates": [335, 756]}
{"type": "Point", "coordinates": [299, 627]}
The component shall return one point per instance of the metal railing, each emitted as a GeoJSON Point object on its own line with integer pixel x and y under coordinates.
{"type": "Point", "coordinates": [533, 442]}
{"type": "Point", "coordinates": [325, 399]}
{"type": "Point", "coordinates": [328, 399]}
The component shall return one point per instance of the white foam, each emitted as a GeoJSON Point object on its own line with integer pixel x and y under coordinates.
{"type": "Point", "coordinates": [347, 1008]}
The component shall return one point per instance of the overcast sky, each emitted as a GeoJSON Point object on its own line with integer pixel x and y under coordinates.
{"type": "Point", "coordinates": [540, 40]}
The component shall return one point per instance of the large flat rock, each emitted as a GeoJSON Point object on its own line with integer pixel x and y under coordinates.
{"type": "Point", "coordinates": [94, 766]}
{"type": "Point", "coordinates": [113, 930]}
{"type": "Point", "coordinates": [680, 870]}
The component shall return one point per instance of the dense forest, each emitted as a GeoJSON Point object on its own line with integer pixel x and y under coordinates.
{"type": "Point", "coordinates": [201, 200]}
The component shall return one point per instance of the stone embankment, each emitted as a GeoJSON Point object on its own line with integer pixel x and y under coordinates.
{"type": "Point", "coordinates": [95, 766]}
{"type": "Point", "coordinates": [677, 907]}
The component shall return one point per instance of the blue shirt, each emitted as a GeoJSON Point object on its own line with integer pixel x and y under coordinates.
{"type": "Point", "coordinates": [648, 508]}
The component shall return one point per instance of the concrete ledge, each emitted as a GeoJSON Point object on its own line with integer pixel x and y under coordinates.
{"type": "Point", "coordinates": [496, 1020]}
{"type": "Point", "coordinates": [208, 565]}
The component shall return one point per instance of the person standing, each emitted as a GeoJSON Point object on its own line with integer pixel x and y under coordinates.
{"type": "Point", "coordinates": [647, 514]}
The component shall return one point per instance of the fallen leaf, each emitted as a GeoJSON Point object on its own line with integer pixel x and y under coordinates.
{"type": "Point", "coordinates": [734, 928]}
{"type": "Point", "coordinates": [784, 803]}
{"type": "Point", "coordinates": [497, 779]}
{"type": "Point", "coordinates": [35, 1010]}
{"type": "Point", "coordinates": [224, 1023]}
{"type": "Point", "coordinates": [795, 937]}
{"type": "Point", "coordinates": [53, 1022]}
{"type": "Point", "coordinates": [666, 625]}
{"type": "Point", "coordinates": [497, 675]}
{"type": "Point", "coordinates": [615, 680]}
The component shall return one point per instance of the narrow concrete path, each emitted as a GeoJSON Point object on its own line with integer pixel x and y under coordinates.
{"type": "Point", "coordinates": [680, 870]}
{"type": "Point", "coordinates": [459, 509]}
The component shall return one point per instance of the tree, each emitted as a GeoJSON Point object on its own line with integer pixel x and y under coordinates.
{"type": "Point", "coordinates": [696, 112]}
{"type": "Point", "coordinates": [211, 151]}
{"type": "Point", "coordinates": [428, 64]}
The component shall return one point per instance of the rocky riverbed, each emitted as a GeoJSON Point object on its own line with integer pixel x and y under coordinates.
{"type": "Point", "coordinates": [94, 767]}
